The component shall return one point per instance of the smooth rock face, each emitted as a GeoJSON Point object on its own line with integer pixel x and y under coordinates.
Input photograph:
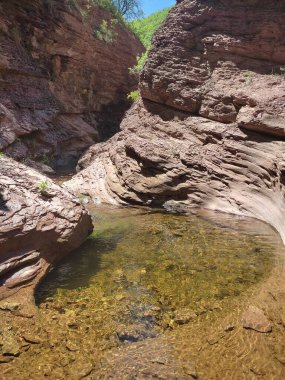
{"type": "Point", "coordinates": [254, 318]}
{"type": "Point", "coordinates": [39, 224]}
{"type": "Point", "coordinates": [209, 131]}
{"type": "Point", "coordinates": [58, 80]}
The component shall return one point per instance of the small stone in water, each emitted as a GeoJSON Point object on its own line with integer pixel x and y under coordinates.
{"type": "Point", "coordinates": [254, 318]}
{"type": "Point", "coordinates": [190, 370]}
{"type": "Point", "coordinates": [229, 328]}
{"type": "Point", "coordinates": [183, 316]}
{"type": "Point", "coordinates": [10, 306]}
{"type": "Point", "coordinates": [72, 324]}
{"type": "Point", "coordinates": [71, 347]}
{"type": "Point", "coordinates": [10, 346]}
{"type": "Point", "coordinates": [5, 359]}
{"type": "Point", "coordinates": [32, 339]}
{"type": "Point", "coordinates": [120, 297]}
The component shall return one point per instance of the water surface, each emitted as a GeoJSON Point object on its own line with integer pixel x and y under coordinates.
{"type": "Point", "coordinates": [147, 283]}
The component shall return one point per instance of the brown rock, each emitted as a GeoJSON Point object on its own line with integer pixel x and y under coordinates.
{"type": "Point", "coordinates": [170, 159]}
{"type": "Point", "coordinates": [254, 318]}
{"type": "Point", "coordinates": [204, 63]}
{"type": "Point", "coordinates": [9, 343]}
{"type": "Point", "coordinates": [209, 131]}
{"type": "Point", "coordinates": [36, 228]}
{"type": "Point", "coordinates": [184, 316]}
{"type": "Point", "coordinates": [58, 80]}
{"type": "Point", "coordinates": [229, 328]}
{"type": "Point", "coordinates": [33, 339]}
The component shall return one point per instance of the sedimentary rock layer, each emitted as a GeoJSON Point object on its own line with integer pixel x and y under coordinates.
{"type": "Point", "coordinates": [59, 77]}
{"type": "Point", "coordinates": [39, 224]}
{"type": "Point", "coordinates": [222, 62]}
{"type": "Point", "coordinates": [209, 131]}
{"type": "Point", "coordinates": [168, 158]}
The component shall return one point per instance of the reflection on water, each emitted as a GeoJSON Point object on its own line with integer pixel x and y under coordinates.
{"type": "Point", "coordinates": [142, 279]}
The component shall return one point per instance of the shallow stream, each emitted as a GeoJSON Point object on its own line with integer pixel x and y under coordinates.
{"type": "Point", "coordinates": [153, 295]}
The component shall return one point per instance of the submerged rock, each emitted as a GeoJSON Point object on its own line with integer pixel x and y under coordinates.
{"type": "Point", "coordinates": [39, 224]}
{"type": "Point", "coordinates": [184, 316]}
{"type": "Point", "coordinates": [152, 359]}
{"type": "Point", "coordinates": [254, 318]}
{"type": "Point", "coordinates": [9, 344]}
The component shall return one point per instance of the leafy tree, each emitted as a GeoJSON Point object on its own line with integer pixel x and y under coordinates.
{"type": "Point", "coordinates": [121, 9]}
{"type": "Point", "coordinates": [130, 9]}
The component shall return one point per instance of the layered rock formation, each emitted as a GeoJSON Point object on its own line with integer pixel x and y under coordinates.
{"type": "Point", "coordinates": [209, 130]}
{"type": "Point", "coordinates": [60, 72]}
{"type": "Point", "coordinates": [39, 224]}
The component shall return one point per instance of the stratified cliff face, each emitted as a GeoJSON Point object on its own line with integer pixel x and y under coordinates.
{"type": "Point", "coordinates": [59, 78]}
{"type": "Point", "coordinates": [209, 131]}
{"type": "Point", "coordinates": [222, 62]}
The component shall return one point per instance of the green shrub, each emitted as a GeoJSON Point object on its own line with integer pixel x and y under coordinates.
{"type": "Point", "coordinates": [1, 154]}
{"type": "Point", "coordinates": [135, 70]}
{"type": "Point", "coordinates": [90, 4]}
{"type": "Point", "coordinates": [81, 199]}
{"type": "Point", "coordinates": [109, 6]}
{"type": "Point", "coordinates": [134, 96]}
{"type": "Point", "coordinates": [106, 32]}
{"type": "Point", "coordinates": [43, 186]}
{"type": "Point", "coordinates": [145, 29]}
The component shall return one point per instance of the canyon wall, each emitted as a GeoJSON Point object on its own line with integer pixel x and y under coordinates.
{"type": "Point", "coordinates": [209, 130]}
{"type": "Point", "coordinates": [61, 73]}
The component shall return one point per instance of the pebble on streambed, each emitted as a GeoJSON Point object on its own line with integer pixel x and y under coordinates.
{"type": "Point", "coordinates": [254, 318]}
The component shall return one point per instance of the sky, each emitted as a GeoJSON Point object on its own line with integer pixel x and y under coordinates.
{"type": "Point", "coordinates": [151, 6]}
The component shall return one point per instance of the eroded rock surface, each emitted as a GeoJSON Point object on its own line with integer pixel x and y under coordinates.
{"type": "Point", "coordinates": [209, 131]}
{"type": "Point", "coordinates": [223, 61]}
{"type": "Point", "coordinates": [59, 80]}
{"type": "Point", "coordinates": [39, 224]}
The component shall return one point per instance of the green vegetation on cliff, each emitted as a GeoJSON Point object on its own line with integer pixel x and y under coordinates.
{"type": "Point", "coordinates": [120, 9]}
{"type": "Point", "coordinates": [146, 27]}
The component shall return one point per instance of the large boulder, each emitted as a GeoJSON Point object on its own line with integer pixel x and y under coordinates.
{"type": "Point", "coordinates": [39, 224]}
{"type": "Point", "coordinates": [209, 130]}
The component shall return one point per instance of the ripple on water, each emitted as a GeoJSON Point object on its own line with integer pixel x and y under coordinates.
{"type": "Point", "coordinates": [147, 275]}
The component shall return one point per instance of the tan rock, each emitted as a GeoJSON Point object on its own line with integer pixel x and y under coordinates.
{"type": "Point", "coordinates": [254, 318]}
{"type": "Point", "coordinates": [9, 343]}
